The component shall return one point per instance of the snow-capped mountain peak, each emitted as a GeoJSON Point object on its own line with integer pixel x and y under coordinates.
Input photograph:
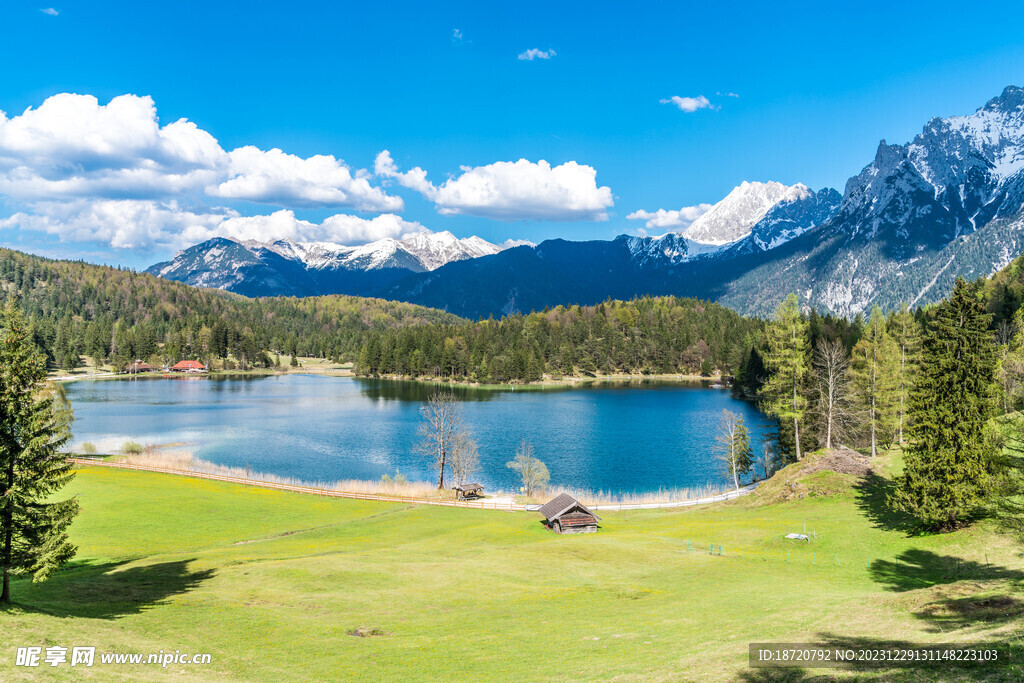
{"type": "Point", "coordinates": [419, 251]}
{"type": "Point", "coordinates": [733, 218]}
{"type": "Point", "coordinates": [955, 176]}
{"type": "Point", "coordinates": [286, 266]}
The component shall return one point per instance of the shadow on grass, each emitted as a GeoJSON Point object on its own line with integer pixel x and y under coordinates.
{"type": "Point", "coordinates": [985, 611]}
{"type": "Point", "coordinates": [872, 493]}
{"type": "Point", "coordinates": [915, 569]}
{"type": "Point", "coordinates": [105, 591]}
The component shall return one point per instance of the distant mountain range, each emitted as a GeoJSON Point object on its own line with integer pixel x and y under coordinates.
{"type": "Point", "coordinates": [286, 267]}
{"type": "Point", "coordinates": [949, 203]}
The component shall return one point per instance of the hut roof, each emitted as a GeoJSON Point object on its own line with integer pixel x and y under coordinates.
{"type": "Point", "coordinates": [469, 487]}
{"type": "Point", "coordinates": [561, 504]}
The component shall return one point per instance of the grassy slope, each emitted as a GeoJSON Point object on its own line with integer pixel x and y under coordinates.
{"type": "Point", "coordinates": [271, 583]}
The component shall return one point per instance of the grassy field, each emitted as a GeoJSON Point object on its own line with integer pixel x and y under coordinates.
{"type": "Point", "coordinates": [274, 584]}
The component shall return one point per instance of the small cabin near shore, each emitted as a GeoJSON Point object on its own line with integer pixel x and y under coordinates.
{"type": "Point", "coordinates": [566, 515]}
{"type": "Point", "coordinates": [139, 366]}
{"type": "Point", "coordinates": [188, 366]}
{"type": "Point", "coordinates": [468, 491]}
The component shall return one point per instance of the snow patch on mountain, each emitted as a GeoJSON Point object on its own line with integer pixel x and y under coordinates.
{"type": "Point", "coordinates": [419, 252]}
{"type": "Point", "coordinates": [733, 218]}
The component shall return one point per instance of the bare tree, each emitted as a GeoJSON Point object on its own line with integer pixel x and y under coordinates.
{"type": "Point", "coordinates": [734, 446]}
{"type": "Point", "coordinates": [831, 375]}
{"type": "Point", "coordinates": [464, 457]}
{"type": "Point", "coordinates": [769, 458]}
{"type": "Point", "coordinates": [441, 429]}
{"type": "Point", "coordinates": [533, 472]}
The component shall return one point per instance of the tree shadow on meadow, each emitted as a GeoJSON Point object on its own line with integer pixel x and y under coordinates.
{"type": "Point", "coordinates": [105, 591]}
{"type": "Point", "coordinates": [916, 568]}
{"type": "Point", "coordinates": [872, 493]}
{"type": "Point", "coordinates": [961, 603]}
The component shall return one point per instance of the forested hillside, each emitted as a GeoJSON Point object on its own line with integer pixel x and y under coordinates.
{"type": "Point", "coordinates": [118, 315]}
{"type": "Point", "coordinates": [647, 335]}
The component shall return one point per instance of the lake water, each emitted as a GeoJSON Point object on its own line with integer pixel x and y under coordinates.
{"type": "Point", "coordinates": [611, 437]}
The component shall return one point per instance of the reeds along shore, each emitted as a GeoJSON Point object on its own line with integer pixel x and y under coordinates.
{"type": "Point", "coordinates": [184, 460]}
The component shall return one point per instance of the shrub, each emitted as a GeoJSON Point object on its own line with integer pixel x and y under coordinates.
{"type": "Point", "coordinates": [131, 448]}
{"type": "Point", "coordinates": [89, 448]}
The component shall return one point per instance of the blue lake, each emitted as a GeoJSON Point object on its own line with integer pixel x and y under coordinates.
{"type": "Point", "coordinates": [634, 437]}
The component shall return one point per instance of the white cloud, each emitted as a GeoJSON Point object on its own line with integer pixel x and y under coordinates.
{"type": "Point", "coordinates": [274, 177]}
{"type": "Point", "coordinates": [121, 223]}
{"type": "Point", "coordinates": [456, 35]}
{"type": "Point", "coordinates": [148, 225]}
{"type": "Point", "coordinates": [726, 94]}
{"type": "Point", "coordinates": [49, 10]}
{"type": "Point", "coordinates": [507, 190]}
{"type": "Point", "coordinates": [688, 104]}
{"type": "Point", "coordinates": [533, 53]}
{"type": "Point", "coordinates": [73, 147]}
{"type": "Point", "coordinates": [670, 219]}
{"type": "Point", "coordinates": [512, 243]}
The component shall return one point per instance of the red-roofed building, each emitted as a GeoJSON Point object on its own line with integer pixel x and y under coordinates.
{"type": "Point", "coordinates": [188, 366]}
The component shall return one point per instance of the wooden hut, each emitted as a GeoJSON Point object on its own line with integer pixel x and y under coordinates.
{"type": "Point", "coordinates": [566, 515]}
{"type": "Point", "coordinates": [468, 491]}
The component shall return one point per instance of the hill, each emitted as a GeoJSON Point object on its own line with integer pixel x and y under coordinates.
{"type": "Point", "coordinates": [76, 308]}
{"type": "Point", "coordinates": [649, 335]}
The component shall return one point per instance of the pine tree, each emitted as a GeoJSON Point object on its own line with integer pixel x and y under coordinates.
{"type": "Point", "coordinates": [875, 374]}
{"type": "Point", "coordinates": [944, 466]}
{"type": "Point", "coordinates": [33, 424]}
{"type": "Point", "coordinates": [786, 360]}
{"type": "Point", "coordinates": [906, 333]}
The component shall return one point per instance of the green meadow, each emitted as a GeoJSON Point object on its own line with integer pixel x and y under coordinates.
{"type": "Point", "coordinates": [282, 586]}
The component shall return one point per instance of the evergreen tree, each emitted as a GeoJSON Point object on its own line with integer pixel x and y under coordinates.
{"type": "Point", "coordinates": [944, 467]}
{"type": "Point", "coordinates": [875, 373]}
{"type": "Point", "coordinates": [33, 425]}
{"type": "Point", "coordinates": [786, 360]}
{"type": "Point", "coordinates": [906, 333]}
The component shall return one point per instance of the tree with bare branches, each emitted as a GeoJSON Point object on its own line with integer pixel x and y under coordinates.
{"type": "Point", "coordinates": [734, 446]}
{"type": "Point", "coordinates": [442, 429]}
{"type": "Point", "coordinates": [532, 471]}
{"type": "Point", "coordinates": [464, 458]}
{"type": "Point", "coordinates": [769, 458]}
{"type": "Point", "coordinates": [831, 366]}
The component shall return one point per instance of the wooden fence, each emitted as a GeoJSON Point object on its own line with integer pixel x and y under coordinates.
{"type": "Point", "coordinates": [330, 493]}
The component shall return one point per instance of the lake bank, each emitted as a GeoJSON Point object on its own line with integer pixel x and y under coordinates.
{"type": "Point", "coordinates": [549, 382]}
{"type": "Point", "coordinates": [418, 493]}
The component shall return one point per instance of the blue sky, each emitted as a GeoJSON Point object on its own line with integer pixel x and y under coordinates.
{"type": "Point", "coordinates": [441, 88]}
